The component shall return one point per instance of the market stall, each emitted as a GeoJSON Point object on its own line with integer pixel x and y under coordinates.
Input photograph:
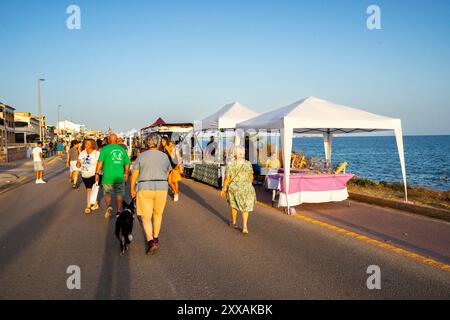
{"type": "Point", "coordinates": [211, 170]}
{"type": "Point", "coordinates": [317, 116]}
{"type": "Point", "coordinates": [169, 129]}
{"type": "Point", "coordinates": [208, 173]}
{"type": "Point", "coordinates": [310, 188]}
{"type": "Point", "coordinates": [130, 137]}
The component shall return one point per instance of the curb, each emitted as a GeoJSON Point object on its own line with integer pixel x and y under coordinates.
{"type": "Point", "coordinates": [377, 243]}
{"type": "Point", "coordinates": [435, 213]}
{"type": "Point", "coordinates": [22, 180]}
{"type": "Point", "coordinates": [11, 186]}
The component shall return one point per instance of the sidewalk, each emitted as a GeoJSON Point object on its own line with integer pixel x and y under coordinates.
{"type": "Point", "coordinates": [16, 172]}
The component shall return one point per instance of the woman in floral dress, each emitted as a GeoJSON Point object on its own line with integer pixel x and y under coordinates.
{"type": "Point", "coordinates": [238, 188]}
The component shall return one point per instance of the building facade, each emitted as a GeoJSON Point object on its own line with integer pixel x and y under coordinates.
{"type": "Point", "coordinates": [70, 130]}
{"type": "Point", "coordinates": [27, 127]}
{"type": "Point", "coordinates": [7, 126]}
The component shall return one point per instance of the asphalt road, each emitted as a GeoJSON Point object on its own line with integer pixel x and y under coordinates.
{"type": "Point", "coordinates": [43, 230]}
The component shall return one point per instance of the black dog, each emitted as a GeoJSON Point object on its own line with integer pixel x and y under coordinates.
{"type": "Point", "coordinates": [124, 226]}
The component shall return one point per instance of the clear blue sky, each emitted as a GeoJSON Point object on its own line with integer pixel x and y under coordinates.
{"type": "Point", "coordinates": [133, 61]}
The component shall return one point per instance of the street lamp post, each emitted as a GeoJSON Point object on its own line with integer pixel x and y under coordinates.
{"type": "Point", "coordinates": [57, 123]}
{"type": "Point", "coordinates": [40, 106]}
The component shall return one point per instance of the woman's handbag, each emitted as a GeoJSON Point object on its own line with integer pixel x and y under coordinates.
{"type": "Point", "coordinates": [228, 185]}
{"type": "Point", "coordinates": [94, 193]}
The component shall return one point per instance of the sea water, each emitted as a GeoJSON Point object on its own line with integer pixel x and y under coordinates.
{"type": "Point", "coordinates": [427, 157]}
{"type": "Point", "coordinates": [376, 157]}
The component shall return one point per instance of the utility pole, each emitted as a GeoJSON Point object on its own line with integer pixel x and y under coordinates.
{"type": "Point", "coordinates": [40, 106]}
{"type": "Point", "coordinates": [58, 116]}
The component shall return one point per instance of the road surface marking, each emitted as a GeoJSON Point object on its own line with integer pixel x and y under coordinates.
{"type": "Point", "coordinates": [377, 243]}
{"type": "Point", "coordinates": [390, 247]}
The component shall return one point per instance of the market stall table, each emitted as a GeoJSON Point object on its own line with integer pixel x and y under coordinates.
{"type": "Point", "coordinates": [310, 188]}
{"type": "Point", "coordinates": [209, 173]}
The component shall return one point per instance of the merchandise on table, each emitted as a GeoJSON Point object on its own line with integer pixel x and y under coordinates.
{"type": "Point", "coordinates": [209, 173]}
{"type": "Point", "coordinates": [309, 188]}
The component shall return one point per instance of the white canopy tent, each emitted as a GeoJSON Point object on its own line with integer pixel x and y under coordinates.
{"type": "Point", "coordinates": [131, 133]}
{"type": "Point", "coordinates": [313, 115]}
{"type": "Point", "coordinates": [226, 118]}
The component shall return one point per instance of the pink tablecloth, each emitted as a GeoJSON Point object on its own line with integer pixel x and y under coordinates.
{"type": "Point", "coordinates": [311, 188]}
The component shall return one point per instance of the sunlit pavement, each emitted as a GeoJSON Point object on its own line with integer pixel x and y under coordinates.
{"type": "Point", "coordinates": [44, 230]}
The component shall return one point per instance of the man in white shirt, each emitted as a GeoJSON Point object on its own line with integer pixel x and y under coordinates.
{"type": "Point", "coordinates": [38, 160]}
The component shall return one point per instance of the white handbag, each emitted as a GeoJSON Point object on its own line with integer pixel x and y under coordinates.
{"type": "Point", "coordinates": [94, 193]}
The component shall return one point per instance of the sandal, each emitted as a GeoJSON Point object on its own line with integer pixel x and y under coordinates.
{"type": "Point", "coordinates": [234, 226]}
{"type": "Point", "coordinates": [245, 231]}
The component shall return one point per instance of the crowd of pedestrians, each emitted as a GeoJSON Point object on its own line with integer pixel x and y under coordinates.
{"type": "Point", "coordinates": [149, 173]}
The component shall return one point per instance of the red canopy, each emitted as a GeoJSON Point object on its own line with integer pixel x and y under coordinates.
{"type": "Point", "coordinates": [158, 122]}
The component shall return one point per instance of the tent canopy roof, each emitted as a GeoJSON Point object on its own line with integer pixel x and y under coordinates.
{"type": "Point", "coordinates": [158, 122]}
{"type": "Point", "coordinates": [227, 116]}
{"type": "Point", "coordinates": [314, 115]}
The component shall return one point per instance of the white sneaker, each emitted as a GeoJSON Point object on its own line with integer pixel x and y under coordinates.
{"type": "Point", "coordinates": [37, 181]}
{"type": "Point", "coordinates": [42, 181]}
{"type": "Point", "coordinates": [175, 197]}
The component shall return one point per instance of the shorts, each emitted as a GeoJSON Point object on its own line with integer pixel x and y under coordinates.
{"type": "Point", "coordinates": [73, 166]}
{"type": "Point", "coordinates": [89, 182]}
{"type": "Point", "coordinates": [114, 188]}
{"type": "Point", "coordinates": [38, 166]}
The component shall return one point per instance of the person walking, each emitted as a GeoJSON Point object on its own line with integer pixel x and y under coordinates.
{"type": "Point", "coordinates": [59, 148]}
{"type": "Point", "coordinates": [115, 163]}
{"type": "Point", "coordinates": [51, 148]}
{"type": "Point", "coordinates": [100, 144]}
{"type": "Point", "coordinates": [72, 158]}
{"type": "Point", "coordinates": [87, 162]}
{"type": "Point", "coordinates": [149, 186]}
{"type": "Point", "coordinates": [173, 153]}
{"type": "Point", "coordinates": [238, 188]}
{"type": "Point", "coordinates": [38, 160]}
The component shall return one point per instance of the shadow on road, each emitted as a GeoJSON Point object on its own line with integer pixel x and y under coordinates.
{"type": "Point", "coordinates": [50, 175]}
{"type": "Point", "coordinates": [114, 280]}
{"type": "Point", "coordinates": [190, 193]}
{"type": "Point", "coordinates": [28, 231]}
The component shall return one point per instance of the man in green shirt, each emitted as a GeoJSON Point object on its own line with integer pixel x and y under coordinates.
{"type": "Point", "coordinates": [115, 163]}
